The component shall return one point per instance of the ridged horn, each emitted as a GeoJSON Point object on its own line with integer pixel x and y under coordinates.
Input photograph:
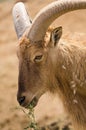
{"type": "Point", "coordinates": [21, 19]}
{"type": "Point", "coordinates": [49, 13]}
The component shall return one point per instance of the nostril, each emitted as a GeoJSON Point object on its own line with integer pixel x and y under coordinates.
{"type": "Point", "coordinates": [21, 100]}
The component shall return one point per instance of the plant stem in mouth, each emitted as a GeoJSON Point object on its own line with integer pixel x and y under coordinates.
{"type": "Point", "coordinates": [32, 123]}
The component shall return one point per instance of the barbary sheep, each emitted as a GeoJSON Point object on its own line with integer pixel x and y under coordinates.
{"type": "Point", "coordinates": [51, 65]}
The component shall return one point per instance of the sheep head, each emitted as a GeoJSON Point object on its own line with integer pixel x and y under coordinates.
{"type": "Point", "coordinates": [34, 67]}
{"type": "Point", "coordinates": [36, 60]}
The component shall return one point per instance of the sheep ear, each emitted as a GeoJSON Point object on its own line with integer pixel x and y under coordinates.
{"type": "Point", "coordinates": [55, 36]}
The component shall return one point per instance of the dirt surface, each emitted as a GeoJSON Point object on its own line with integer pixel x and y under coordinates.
{"type": "Point", "coordinates": [49, 107]}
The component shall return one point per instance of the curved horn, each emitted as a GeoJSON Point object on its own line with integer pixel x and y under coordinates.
{"type": "Point", "coordinates": [20, 18]}
{"type": "Point", "coordinates": [48, 14]}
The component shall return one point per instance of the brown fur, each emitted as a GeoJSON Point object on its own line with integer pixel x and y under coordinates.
{"type": "Point", "coordinates": [71, 77]}
{"type": "Point", "coordinates": [62, 70]}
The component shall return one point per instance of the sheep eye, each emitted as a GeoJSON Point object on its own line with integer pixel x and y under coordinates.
{"type": "Point", "coordinates": [38, 58]}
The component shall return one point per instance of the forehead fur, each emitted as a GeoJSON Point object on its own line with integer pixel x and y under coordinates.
{"type": "Point", "coordinates": [25, 45]}
{"type": "Point", "coordinates": [24, 42]}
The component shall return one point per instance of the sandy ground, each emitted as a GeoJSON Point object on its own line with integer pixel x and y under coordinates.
{"type": "Point", "coordinates": [49, 107]}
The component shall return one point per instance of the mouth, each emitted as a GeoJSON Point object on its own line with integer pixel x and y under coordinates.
{"type": "Point", "coordinates": [32, 104]}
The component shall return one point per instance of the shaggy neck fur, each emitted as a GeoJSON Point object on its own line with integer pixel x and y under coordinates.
{"type": "Point", "coordinates": [69, 66]}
